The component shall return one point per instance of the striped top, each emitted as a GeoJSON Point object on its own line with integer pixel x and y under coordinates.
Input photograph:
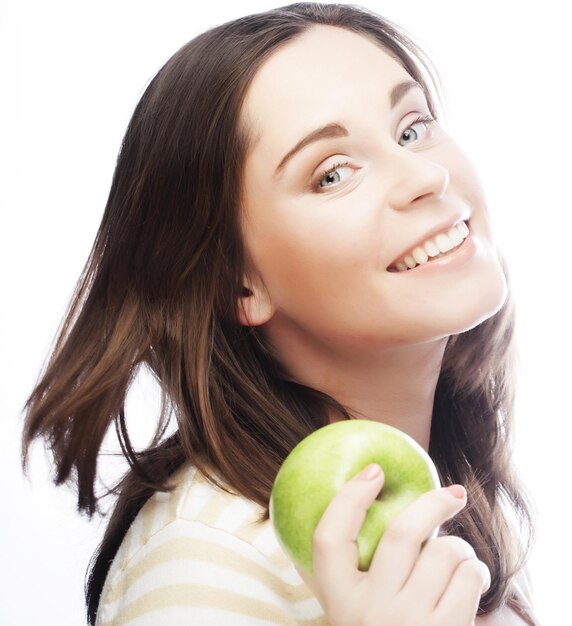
{"type": "Point", "coordinates": [198, 555]}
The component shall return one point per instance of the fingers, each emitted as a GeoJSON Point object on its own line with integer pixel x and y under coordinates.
{"type": "Point", "coordinates": [335, 555]}
{"type": "Point", "coordinates": [470, 580]}
{"type": "Point", "coordinates": [443, 581]}
{"type": "Point", "coordinates": [401, 543]}
{"type": "Point", "coordinates": [434, 569]}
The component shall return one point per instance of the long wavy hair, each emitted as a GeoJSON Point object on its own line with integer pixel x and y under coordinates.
{"type": "Point", "coordinates": [160, 290]}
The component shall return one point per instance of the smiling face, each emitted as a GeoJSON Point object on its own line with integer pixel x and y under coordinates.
{"type": "Point", "coordinates": [325, 224]}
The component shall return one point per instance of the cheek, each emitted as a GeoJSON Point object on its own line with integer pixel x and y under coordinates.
{"type": "Point", "coordinates": [303, 247]}
{"type": "Point", "coordinates": [302, 259]}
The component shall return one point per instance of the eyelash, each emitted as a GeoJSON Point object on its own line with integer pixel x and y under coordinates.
{"type": "Point", "coordinates": [425, 119]}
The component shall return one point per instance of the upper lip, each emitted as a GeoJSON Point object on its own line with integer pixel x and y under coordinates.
{"type": "Point", "coordinates": [443, 227]}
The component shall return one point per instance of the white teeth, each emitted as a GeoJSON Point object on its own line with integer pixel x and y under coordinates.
{"type": "Point", "coordinates": [431, 248]}
{"type": "Point", "coordinates": [443, 242]}
{"type": "Point", "coordinates": [455, 236]}
{"type": "Point", "coordinates": [463, 228]}
{"type": "Point", "coordinates": [420, 255]}
{"type": "Point", "coordinates": [410, 262]}
{"type": "Point", "coordinates": [440, 244]}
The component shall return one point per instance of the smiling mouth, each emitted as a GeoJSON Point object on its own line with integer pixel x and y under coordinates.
{"type": "Point", "coordinates": [432, 248]}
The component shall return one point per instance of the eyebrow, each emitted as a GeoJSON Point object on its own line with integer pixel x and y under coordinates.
{"type": "Point", "coordinates": [334, 129]}
{"type": "Point", "coordinates": [398, 92]}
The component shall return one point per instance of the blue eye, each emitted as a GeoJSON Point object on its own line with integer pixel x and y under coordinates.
{"type": "Point", "coordinates": [331, 176]}
{"type": "Point", "coordinates": [410, 133]}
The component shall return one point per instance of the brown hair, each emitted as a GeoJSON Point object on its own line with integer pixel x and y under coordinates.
{"type": "Point", "coordinates": [160, 289]}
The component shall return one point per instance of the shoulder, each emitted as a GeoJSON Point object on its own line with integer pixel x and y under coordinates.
{"type": "Point", "coordinates": [200, 554]}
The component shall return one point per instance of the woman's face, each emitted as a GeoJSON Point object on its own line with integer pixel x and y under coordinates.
{"type": "Point", "coordinates": [341, 182]}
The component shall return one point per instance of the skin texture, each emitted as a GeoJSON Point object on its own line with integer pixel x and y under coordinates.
{"type": "Point", "coordinates": [319, 286]}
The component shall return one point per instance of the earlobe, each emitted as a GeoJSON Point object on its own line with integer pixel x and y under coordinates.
{"type": "Point", "coordinates": [254, 306]}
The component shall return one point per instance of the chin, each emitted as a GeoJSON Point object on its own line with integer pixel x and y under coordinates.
{"type": "Point", "coordinates": [482, 299]}
{"type": "Point", "coordinates": [470, 303]}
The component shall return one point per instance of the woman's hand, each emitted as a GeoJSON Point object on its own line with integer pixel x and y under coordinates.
{"type": "Point", "coordinates": [438, 586]}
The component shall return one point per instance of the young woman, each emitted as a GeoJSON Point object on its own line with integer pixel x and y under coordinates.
{"type": "Point", "coordinates": [292, 238]}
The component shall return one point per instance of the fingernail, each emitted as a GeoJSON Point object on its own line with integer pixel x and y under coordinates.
{"type": "Point", "coordinates": [458, 491]}
{"type": "Point", "coordinates": [370, 472]}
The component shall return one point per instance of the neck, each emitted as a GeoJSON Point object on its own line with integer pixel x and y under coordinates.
{"type": "Point", "coordinates": [394, 386]}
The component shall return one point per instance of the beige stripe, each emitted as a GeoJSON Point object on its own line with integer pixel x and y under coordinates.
{"type": "Point", "coordinates": [201, 550]}
{"type": "Point", "coordinates": [132, 542]}
{"type": "Point", "coordinates": [202, 595]}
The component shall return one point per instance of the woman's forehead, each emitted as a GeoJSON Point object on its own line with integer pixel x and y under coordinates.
{"type": "Point", "coordinates": [323, 73]}
{"type": "Point", "coordinates": [311, 61]}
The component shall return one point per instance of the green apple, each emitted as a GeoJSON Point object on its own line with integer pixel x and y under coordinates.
{"type": "Point", "coordinates": [323, 462]}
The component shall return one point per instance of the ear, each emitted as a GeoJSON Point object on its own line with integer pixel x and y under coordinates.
{"type": "Point", "coordinates": [254, 305]}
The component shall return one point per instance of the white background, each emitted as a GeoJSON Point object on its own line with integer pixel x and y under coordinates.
{"type": "Point", "coordinates": [71, 73]}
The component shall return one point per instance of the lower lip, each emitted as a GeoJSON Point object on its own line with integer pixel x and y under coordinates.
{"type": "Point", "coordinates": [458, 257]}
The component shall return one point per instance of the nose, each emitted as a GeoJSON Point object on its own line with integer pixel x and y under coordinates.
{"type": "Point", "coordinates": [416, 177]}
